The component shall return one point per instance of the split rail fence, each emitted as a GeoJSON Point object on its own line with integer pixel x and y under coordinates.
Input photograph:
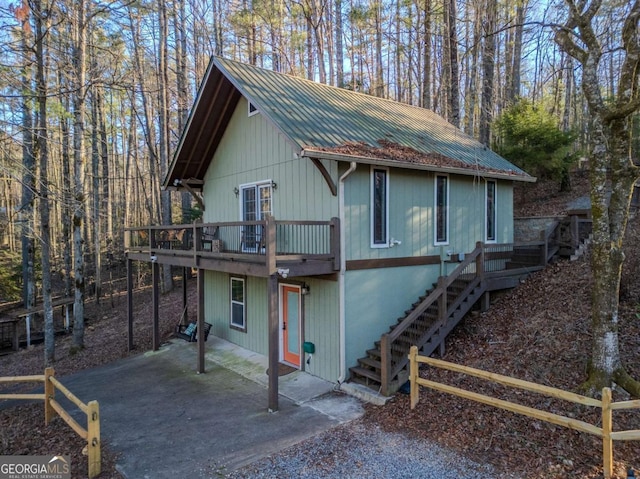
{"type": "Point", "coordinates": [606, 405]}
{"type": "Point", "coordinates": [52, 407]}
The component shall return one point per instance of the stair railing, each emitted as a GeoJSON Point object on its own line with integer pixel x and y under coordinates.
{"type": "Point", "coordinates": [473, 270]}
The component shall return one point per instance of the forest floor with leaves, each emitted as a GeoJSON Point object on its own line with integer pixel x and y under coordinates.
{"type": "Point", "coordinates": [537, 332]}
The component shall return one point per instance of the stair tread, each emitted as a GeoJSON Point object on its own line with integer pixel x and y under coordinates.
{"type": "Point", "coordinates": [370, 362]}
{"type": "Point", "coordinates": [374, 352]}
{"type": "Point", "coordinates": [368, 373]}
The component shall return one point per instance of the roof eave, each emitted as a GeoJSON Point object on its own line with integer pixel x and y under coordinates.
{"type": "Point", "coordinates": [327, 155]}
{"type": "Point", "coordinates": [183, 134]}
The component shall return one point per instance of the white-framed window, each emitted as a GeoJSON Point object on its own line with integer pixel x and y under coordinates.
{"type": "Point", "coordinates": [255, 205]}
{"type": "Point", "coordinates": [238, 318]}
{"type": "Point", "coordinates": [491, 217]}
{"type": "Point", "coordinates": [252, 109]}
{"type": "Point", "coordinates": [441, 210]}
{"type": "Point", "coordinates": [379, 207]}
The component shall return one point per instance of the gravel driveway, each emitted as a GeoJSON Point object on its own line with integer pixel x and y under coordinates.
{"type": "Point", "coordinates": [362, 450]}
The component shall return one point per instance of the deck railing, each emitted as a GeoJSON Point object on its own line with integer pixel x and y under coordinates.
{"type": "Point", "coordinates": [393, 355]}
{"type": "Point", "coordinates": [293, 239]}
{"type": "Point", "coordinates": [449, 294]}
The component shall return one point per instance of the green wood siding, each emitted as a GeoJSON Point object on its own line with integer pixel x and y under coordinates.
{"type": "Point", "coordinates": [411, 214]}
{"type": "Point", "coordinates": [217, 311]}
{"type": "Point", "coordinates": [321, 320]}
{"type": "Point", "coordinates": [376, 299]}
{"type": "Point", "coordinates": [322, 327]}
{"type": "Point", "coordinates": [252, 150]}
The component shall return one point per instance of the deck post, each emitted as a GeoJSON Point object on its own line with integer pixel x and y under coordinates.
{"type": "Point", "coordinates": [200, 326]}
{"type": "Point", "coordinates": [270, 243]}
{"type": "Point", "coordinates": [575, 232]}
{"type": "Point", "coordinates": [480, 261]}
{"type": "Point", "coordinates": [155, 275]}
{"type": "Point", "coordinates": [545, 247]}
{"type": "Point", "coordinates": [385, 365]}
{"type": "Point", "coordinates": [442, 300]}
{"type": "Point", "coordinates": [485, 302]}
{"type": "Point", "coordinates": [274, 341]}
{"type": "Point", "coordinates": [130, 303]}
{"type": "Point", "coordinates": [334, 235]}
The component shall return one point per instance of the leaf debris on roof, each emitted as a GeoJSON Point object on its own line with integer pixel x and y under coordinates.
{"type": "Point", "coordinates": [392, 151]}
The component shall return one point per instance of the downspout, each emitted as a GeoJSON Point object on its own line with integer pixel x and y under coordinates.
{"type": "Point", "coordinates": [343, 267]}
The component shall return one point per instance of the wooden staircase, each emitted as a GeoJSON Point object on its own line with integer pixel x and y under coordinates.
{"type": "Point", "coordinates": [426, 324]}
{"type": "Point", "coordinates": [433, 316]}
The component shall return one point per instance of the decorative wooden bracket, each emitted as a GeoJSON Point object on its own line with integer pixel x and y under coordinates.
{"type": "Point", "coordinates": [326, 176]}
{"type": "Point", "coordinates": [194, 193]}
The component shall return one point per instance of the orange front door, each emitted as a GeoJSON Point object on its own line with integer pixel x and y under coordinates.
{"type": "Point", "coordinates": [290, 323]}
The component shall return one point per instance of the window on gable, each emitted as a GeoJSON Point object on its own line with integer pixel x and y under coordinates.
{"type": "Point", "coordinates": [255, 206]}
{"type": "Point", "coordinates": [491, 211]}
{"type": "Point", "coordinates": [379, 207]}
{"type": "Point", "coordinates": [238, 318]}
{"type": "Point", "coordinates": [252, 109]}
{"type": "Point", "coordinates": [442, 209]}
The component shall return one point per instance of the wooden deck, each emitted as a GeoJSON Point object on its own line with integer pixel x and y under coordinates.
{"type": "Point", "coordinates": [255, 248]}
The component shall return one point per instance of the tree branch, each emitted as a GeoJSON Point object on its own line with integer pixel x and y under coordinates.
{"type": "Point", "coordinates": [628, 100]}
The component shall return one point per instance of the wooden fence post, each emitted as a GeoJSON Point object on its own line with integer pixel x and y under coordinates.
{"type": "Point", "coordinates": [607, 442]}
{"type": "Point", "coordinates": [93, 438]}
{"type": "Point", "coordinates": [49, 393]}
{"type": "Point", "coordinates": [413, 375]}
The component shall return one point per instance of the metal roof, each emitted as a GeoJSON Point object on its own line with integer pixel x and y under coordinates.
{"type": "Point", "coordinates": [317, 117]}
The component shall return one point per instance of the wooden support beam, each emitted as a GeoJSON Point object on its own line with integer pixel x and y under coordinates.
{"type": "Point", "coordinates": [274, 341]}
{"type": "Point", "coordinates": [200, 320]}
{"type": "Point", "coordinates": [485, 302]}
{"type": "Point", "coordinates": [130, 304]}
{"type": "Point", "coordinates": [326, 175]}
{"type": "Point", "coordinates": [185, 311]}
{"type": "Point", "coordinates": [155, 280]}
{"type": "Point", "coordinates": [195, 195]}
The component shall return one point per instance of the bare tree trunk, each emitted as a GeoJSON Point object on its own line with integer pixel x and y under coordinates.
{"type": "Point", "coordinates": [28, 185]}
{"type": "Point", "coordinates": [517, 52]}
{"type": "Point", "coordinates": [96, 190]}
{"type": "Point", "coordinates": [379, 88]}
{"type": "Point", "coordinates": [43, 153]}
{"type": "Point", "coordinates": [471, 95]}
{"type": "Point", "coordinates": [66, 193]}
{"type": "Point", "coordinates": [78, 170]}
{"type": "Point", "coordinates": [612, 175]}
{"type": "Point", "coordinates": [426, 55]}
{"type": "Point", "coordinates": [164, 127]}
{"type": "Point", "coordinates": [182, 87]}
{"type": "Point", "coordinates": [339, 48]}
{"type": "Point", "coordinates": [452, 39]}
{"type": "Point", "coordinates": [488, 67]}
